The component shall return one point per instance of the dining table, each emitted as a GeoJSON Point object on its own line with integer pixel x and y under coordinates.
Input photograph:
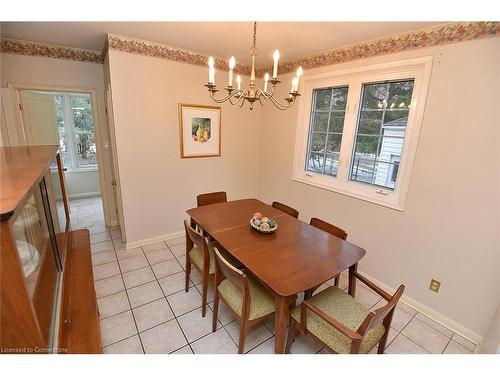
{"type": "Point", "coordinates": [293, 259]}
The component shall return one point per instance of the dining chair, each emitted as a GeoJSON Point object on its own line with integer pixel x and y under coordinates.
{"type": "Point", "coordinates": [333, 230]}
{"type": "Point", "coordinates": [341, 323]}
{"type": "Point", "coordinates": [208, 199]}
{"type": "Point", "coordinates": [286, 209]}
{"type": "Point", "coordinates": [211, 198]}
{"type": "Point", "coordinates": [245, 296]}
{"type": "Point", "coordinates": [200, 254]}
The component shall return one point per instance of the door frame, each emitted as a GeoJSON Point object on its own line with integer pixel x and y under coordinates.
{"type": "Point", "coordinates": [16, 101]}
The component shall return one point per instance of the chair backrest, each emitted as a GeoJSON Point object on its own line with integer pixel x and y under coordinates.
{"type": "Point", "coordinates": [327, 227]}
{"type": "Point", "coordinates": [376, 317]}
{"type": "Point", "coordinates": [286, 209]}
{"type": "Point", "coordinates": [211, 198]}
{"type": "Point", "coordinates": [199, 241]}
{"type": "Point", "coordinates": [236, 276]}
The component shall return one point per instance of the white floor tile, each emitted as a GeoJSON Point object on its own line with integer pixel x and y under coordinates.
{"type": "Point", "coordinates": [163, 339]}
{"type": "Point", "coordinates": [218, 342]}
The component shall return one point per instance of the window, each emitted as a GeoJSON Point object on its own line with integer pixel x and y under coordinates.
{"type": "Point", "coordinates": [381, 126]}
{"type": "Point", "coordinates": [76, 130]}
{"type": "Point", "coordinates": [325, 134]}
{"type": "Point", "coordinates": [358, 130]}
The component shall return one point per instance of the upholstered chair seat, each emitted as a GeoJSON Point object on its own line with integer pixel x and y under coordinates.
{"type": "Point", "coordinates": [341, 306]}
{"type": "Point", "coordinates": [196, 255]}
{"type": "Point", "coordinates": [262, 303]}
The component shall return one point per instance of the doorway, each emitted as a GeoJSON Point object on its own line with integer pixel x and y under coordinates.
{"type": "Point", "coordinates": [67, 119]}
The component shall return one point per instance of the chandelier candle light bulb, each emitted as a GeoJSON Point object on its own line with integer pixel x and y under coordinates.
{"type": "Point", "coordinates": [266, 78]}
{"type": "Point", "coordinates": [238, 81]}
{"type": "Point", "coordinates": [211, 71]}
{"type": "Point", "coordinates": [276, 57]}
{"type": "Point", "coordinates": [232, 63]}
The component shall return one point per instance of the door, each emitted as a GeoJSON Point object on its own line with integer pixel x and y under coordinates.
{"type": "Point", "coordinates": [39, 118]}
{"type": "Point", "coordinates": [114, 157]}
{"type": "Point", "coordinates": [39, 123]}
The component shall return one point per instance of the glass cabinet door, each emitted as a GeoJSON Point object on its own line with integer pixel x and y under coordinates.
{"type": "Point", "coordinates": [38, 253]}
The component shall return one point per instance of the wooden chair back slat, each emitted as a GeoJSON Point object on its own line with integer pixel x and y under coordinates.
{"type": "Point", "coordinates": [199, 241]}
{"type": "Point", "coordinates": [237, 277]}
{"type": "Point", "coordinates": [377, 317]}
{"type": "Point", "coordinates": [286, 209]}
{"type": "Point", "coordinates": [329, 228]}
{"type": "Point", "coordinates": [211, 198]}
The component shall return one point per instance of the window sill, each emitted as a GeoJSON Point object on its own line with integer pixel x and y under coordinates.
{"type": "Point", "coordinates": [77, 170]}
{"type": "Point", "coordinates": [391, 199]}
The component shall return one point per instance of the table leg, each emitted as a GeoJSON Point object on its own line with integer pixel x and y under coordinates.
{"type": "Point", "coordinates": [352, 279]}
{"type": "Point", "coordinates": [280, 324]}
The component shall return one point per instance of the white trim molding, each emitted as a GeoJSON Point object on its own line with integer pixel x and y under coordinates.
{"type": "Point", "coordinates": [147, 241]}
{"type": "Point", "coordinates": [433, 314]}
{"type": "Point", "coordinates": [419, 70]}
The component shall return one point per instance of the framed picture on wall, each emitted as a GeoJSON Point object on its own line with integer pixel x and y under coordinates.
{"type": "Point", "coordinates": [199, 130]}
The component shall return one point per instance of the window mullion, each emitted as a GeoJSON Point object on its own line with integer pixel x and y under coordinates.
{"type": "Point", "coordinates": [349, 131]}
{"type": "Point", "coordinates": [69, 124]}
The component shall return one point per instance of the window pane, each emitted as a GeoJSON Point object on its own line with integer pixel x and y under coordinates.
{"type": "Point", "coordinates": [322, 99]}
{"type": "Point", "coordinates": [315, 162]}
{"type": "Point", "coordinates": [318, 142]}
{"type": "Point", "coordinates": [370, 122]}
{"type": "Point", "coordinates": [320, 123]}
{"type": "Point", "coordinates": [374, 96]}
{"type": "Point", "coordinates": [380, 133]}
{"type": "Point", "coordinates": [332, 164]}
{"type": "Point", "coordinates": [63, 141]}
{"type": "Point", "coordinates": [84, 131]}
{"type": "Point", "coordinates": [336, 124]}
{"type": "Point", "coordinates": [325, 130]}
{"type": "Point", "coordinates": [333, 144]}
{"type": "Point", "coordinates": [339, 98]}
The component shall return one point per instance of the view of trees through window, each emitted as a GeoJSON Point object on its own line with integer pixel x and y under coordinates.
{"type": "Point", "coordinates": [380, 132]}
{"type": "Point", "coordinates": [76, 130]}
{"type": "Point", "coordinates": [325, 132]}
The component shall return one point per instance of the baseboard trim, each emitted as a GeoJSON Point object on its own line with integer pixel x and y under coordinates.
{"type": "Point", "coordinates": [433, 314]}
{"type": "Point", "coordinates": [147, 241]}
{"type": "Point", "coordinates": [80, 195]}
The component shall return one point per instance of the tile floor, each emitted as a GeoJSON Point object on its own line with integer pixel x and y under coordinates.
{"type": "Point", "coordinates": [144, 308]}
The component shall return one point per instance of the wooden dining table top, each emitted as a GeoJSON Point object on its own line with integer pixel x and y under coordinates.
{"type": "Point", "coordinates": [295, 258]}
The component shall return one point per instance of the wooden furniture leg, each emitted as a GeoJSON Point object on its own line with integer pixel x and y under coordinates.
{"type": "Point", "coordinates": [280, 323]}
{"type": "Point", "coordinates": [291, 335]}
{"type": "Point", "coordinates": [352, 280]}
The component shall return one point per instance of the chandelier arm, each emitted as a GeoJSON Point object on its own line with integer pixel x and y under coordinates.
{"type": "Point", "coordinates": [281, 106]}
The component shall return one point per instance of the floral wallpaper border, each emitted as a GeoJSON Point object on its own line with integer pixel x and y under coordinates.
{"type": "Point", "coordinates": [22, 47]}
{"type": "Point", "coordinates": [143, 47]}
{"type": "Point", "coordinates": [433, 36]}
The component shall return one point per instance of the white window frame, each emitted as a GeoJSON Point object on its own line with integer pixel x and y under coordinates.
{"type": "Point", "coordinates": [69, 126]}
{"type": "Point", "coordinates": [419, 70]}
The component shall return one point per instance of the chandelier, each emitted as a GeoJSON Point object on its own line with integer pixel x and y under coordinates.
{"type": "Point", "coordinates": [238, 96]}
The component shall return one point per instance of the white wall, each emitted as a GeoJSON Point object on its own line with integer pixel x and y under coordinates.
{"type": "Point", "coordinates": [84, 183]}
{"type": "Point", "coordinates": [157, 186]}
{"type": "Point", "coordinates": [59, 72]}
{"type": "Point", "coordinates": [449, 229]}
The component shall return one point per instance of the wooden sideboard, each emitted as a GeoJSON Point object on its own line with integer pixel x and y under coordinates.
{"type": "Point", "coordinates": [48, 302]}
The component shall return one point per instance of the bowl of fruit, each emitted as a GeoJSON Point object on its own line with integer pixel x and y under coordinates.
{"type": "Point", "coordinates": [263, 224]}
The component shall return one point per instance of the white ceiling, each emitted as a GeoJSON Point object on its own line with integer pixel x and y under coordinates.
{"type": "Point", "coordinates": [293, 39]}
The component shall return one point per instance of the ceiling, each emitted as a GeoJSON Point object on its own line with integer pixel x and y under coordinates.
{"type": "Point", "coordinates": [293, 39]}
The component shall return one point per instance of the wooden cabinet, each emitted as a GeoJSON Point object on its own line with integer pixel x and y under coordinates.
{"type": "Point", "coordinates": [47, 294]}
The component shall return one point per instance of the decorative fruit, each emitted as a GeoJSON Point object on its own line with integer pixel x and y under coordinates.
{"type": "Point", "coordinates": [264, 226]}
{"type": "Point", "coordinates": [257, 215]}
{"type": "Point", "coordinates": [257, 222]}
{"type": "Point", "coordinates": [272, 223]}
{"type": "Point", "coordinates": [264, 219]}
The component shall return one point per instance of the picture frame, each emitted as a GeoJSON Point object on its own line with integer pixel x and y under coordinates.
{"type": "Point", "coordinates": [199, 130]}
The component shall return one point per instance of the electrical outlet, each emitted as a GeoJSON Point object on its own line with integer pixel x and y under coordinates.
{"type": "Point", "coordinates": [435, 285]}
